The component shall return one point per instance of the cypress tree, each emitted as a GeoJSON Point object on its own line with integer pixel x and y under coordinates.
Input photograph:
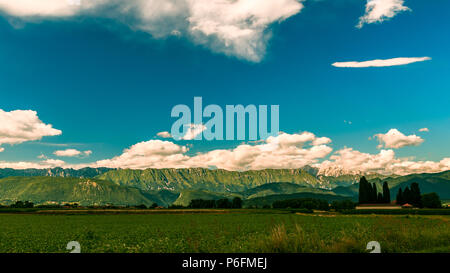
{"type": "Point", "coordinates": [363, 190]}
{"type": "Point", "coordinates": [407, 196]}
{"type": "Point", "coordinates": [415, 195]}
{"type": "Point", "coordinates": [399, 199]}
{"type": "Point", "coordinates": [386, 193]}
{"type": "Point", "coordinates": [380, 198]}
{"type": "Point", "coordinates": [374, 193]}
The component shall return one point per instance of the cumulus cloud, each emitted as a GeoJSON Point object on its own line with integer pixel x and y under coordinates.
{"type": "Point", "coordinates": [72, 153]}
{"type": "Point", "coordinates": [395, 139]}
{"type": "Point", "coordinates": [378, 11]}
{"type": "Point", "coordinates": [48, 163]}
{"type": "Point", "coordinates": [52, 8]}
{"type": "Point", "coordinates": [23, 125]}
{"type": "Point", "coordinates": [164, 134]}
{"type": "Point", "coordinates": [381, 63]}
{"type": "Point", "coordinates": [424, 130]}
{"type": "Point", "coordinates": [385, 162]}
{"type": "Point", "coordinates": [282, 151]}
{"type": "Point", "coordinates": [285, 151]}
{"type": "Point", "coordinates": [149, 154]}
{"type": "Point", "coordinates": [238, 28]}
{"type": "Point", "coordinates": [193, 130]}
{"type": "Point", "coordinates": [2, 149]}
{"type": "Point", "coordinates": [54, 162]}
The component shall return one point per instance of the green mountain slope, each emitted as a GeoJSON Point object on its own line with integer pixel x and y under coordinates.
{"type": "Point", "coordinates": [204, 179]}
{"type": "Point", "coordinates": [186, 196]}
{"type": "Point", "coordinates": [60, 190]}
{"type": "Point", "coordinates": [261, 195]}
{"type": "Point", "coordinates": [268, 200]}
{"type": "Point", "coordinates": [279, 188]}
{"type": "Point", "coordinates": [348, 179]}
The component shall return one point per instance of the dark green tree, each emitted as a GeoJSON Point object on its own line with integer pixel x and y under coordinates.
{"type": "Point", "coordinates": [415, 195]}
{"type": "Point", "coordinates": [202, 204]}
{"type": "Point", "coordinates": [342, 205]}
{"type": "Point", "coordinates": [399, 198]}
{"type": "Point", "coordinates": [407, 196]}
{"type": "Point", "coordinates": [431, 200]}
{"type": "Point", "coordinates": [374, 195]}
{"type": "Point", "coordinates": [364, 190]}
{"type": "Point", "coordinates": [223, 203]}
{"type": "Point", "coordinates": [237, 203]}
{"type": "Point", "coordinates": [386, 193]}
{"type": "Point", "coordinates": [380, 199]}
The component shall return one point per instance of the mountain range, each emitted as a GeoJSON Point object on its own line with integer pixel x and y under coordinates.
{"type": "Point", "coordinates": [100, 186]}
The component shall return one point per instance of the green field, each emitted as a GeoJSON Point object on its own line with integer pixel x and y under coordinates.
{"type": "Point", "coordinates": [223, 231]}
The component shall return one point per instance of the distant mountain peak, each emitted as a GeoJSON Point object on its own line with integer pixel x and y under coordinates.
{"type": "Point", "coordinates": [336, 171]}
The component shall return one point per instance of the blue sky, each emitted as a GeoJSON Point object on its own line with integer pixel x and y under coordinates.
{"type": "Point", "coordinates": [108, 85]}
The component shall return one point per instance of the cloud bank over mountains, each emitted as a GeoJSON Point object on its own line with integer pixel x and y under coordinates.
{"type": "Point", "coordinates": [284, 151]}
{"type": "Point", "coordinates": [235, 28]}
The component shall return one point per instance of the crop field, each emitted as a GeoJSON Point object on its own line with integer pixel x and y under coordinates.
{"type": "Point", "coordinates": [233, 231]}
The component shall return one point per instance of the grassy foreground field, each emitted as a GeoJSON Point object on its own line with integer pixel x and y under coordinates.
{"type": "Point", "coordinates": [241, 231]}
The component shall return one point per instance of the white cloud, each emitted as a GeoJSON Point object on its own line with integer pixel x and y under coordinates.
{"type": "Point", "coordinates": [164, 134]}
{"type": "Point", "coordinates": [149, 154]}
{"type": "Point", "coordinates": [193, 130]}
{"type": "Point", "coordinates": [38, 8]}
{"type": "Point", "coordinates": [23, 125]}
{"type": "Point", "coordinates": [378, 11]}
{"type": "Point", "coordinates": [395, 139]}
{"type": "Point", "coordinates": [424, 130]}
{"type": "Point", "coordinates": [381, 63]}
{"type": "Point", "coordinates": [72, 153]}
{"type": "Point", "coordinates": [2, 149]}
{"type": "Point", "coordinates": [49, 163]}
{"type": "Point", "coordinates": [283, 151]}
{"type": "Point", "coordinates": [348, 160]}
{"type": "Point", "coordinates": [54, 162]}
{"type": "Point", "coordinates": [239, 28]}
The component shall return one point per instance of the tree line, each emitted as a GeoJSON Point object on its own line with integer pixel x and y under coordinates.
{"type": "Point", "coordinates": [313, 204]}
{"type": "Point", "coordinates": [223, 203]}
{"type": "Point", "coordinates": [411, 195]}
{"type": "Point", "coordinates": [302, 203]}
{"type": "Point", "coordinates": [368, 193]}
{"type": "Point", "coordinates": [30, 205]}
